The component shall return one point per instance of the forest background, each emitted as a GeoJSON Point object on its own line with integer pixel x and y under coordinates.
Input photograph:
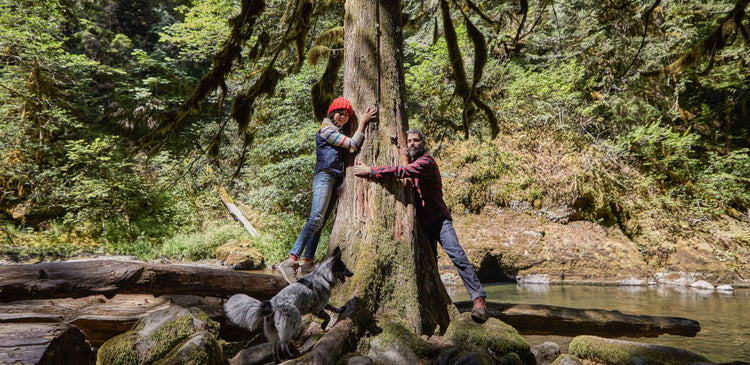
{"type": "Point", "coordinates": [630, 114]}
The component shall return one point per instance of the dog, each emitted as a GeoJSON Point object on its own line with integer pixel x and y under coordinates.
{"type": "Point", "coordinates": [282, 315]}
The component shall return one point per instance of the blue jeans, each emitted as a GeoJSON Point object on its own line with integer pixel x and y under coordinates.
{"type": "Point", "coordinates": [324, 199]}
{"type": "Point", "coordinates": [442, 230]}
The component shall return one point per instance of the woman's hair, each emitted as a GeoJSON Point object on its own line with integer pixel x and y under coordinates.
{"type": "Point", "coordinates": [330, 115]}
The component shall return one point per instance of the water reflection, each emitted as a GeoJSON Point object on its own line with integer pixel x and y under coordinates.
{"type": "Point", "coordinates": [631, 289]}
{"type": "Point", "coordinates": [724, 316]}
{"type": "Point", "coordinates": [534, 288]}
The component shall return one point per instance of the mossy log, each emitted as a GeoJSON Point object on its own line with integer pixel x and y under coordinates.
{"type": "Point", "coordinates": [43, 343]}
{"type": "Point", "coordinates": [618, 352]}
{"type": "Point", "coordinates": [537, 319]}
{"type": "Point", "coordinates": [75, 279]}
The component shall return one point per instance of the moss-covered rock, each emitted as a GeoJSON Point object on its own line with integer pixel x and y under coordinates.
{"type": "Point", "coordinates": [494, 335]}
{"type": "Point", "coordinates": [567, 359]}
{"type": "Point", "coordinates": [155, 336]}
{"type": "Point", "coordinates": [396, 344]}
{"type": "Point", "coordinates": [618, 352]}
{"type": "Point", "coordinates": [453, 356]}
{"type": "Point", "coordinates": [240, 254]}
{"type": "Point", "coordinates": [199, 349]}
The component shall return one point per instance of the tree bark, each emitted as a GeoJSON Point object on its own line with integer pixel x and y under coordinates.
{"type": "Point", "coordinates": [395, 271]}
{"type": "Point", "coordinates": [75, 279]}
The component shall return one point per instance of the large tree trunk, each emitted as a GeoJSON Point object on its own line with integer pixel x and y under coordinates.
{"type": "Point", "coordinates": [395, 271]}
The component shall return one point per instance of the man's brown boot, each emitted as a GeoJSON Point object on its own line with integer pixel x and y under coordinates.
{"type": "Point", "coordinates": [479, 312]}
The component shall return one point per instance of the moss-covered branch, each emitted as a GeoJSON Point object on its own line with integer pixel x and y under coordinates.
{"type": "Point", "coordinates": [716, 41]}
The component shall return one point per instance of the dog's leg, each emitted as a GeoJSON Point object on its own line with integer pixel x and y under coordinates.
{"type": "Point", "coordinates": [325, 317]}
{"type": "Point", "coordinates": [269, 329]}
{"type": "Point", "coordinates": [288, 323]}
{"type": "Point", "coordinates": [291, 351]}
{"type": "Point", "coordinates": [335, 309]}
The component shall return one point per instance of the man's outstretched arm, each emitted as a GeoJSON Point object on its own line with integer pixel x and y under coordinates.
{"type": "Point", "coordinates": [418, 168]}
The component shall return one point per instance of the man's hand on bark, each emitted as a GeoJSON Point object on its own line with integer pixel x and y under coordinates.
{"type": "Point", "coordinates": [361, 170]}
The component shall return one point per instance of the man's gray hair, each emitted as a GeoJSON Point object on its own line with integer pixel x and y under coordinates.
{"type": "Point", "coordinates": [419, 133]}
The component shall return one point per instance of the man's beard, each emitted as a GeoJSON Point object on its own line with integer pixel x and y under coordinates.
{"type": "Point", "coordinates": [416, 152]}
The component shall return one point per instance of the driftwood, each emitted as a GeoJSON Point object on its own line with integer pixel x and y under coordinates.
{"type": "Point", "coordinates": [77, 279]}
{"type": "Point", "coordinates": [232, 208]}
{"type": "Point", "coordinates": [537, 319]}
{"type": "Point", "coordinates": [44, 343]}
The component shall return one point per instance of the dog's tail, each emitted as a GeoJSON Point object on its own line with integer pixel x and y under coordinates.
{"type": "Point", "coordinates": [247, 312]}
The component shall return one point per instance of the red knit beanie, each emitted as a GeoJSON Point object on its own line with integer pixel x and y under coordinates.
{"type": "Point", "coordinates": [341, 103]}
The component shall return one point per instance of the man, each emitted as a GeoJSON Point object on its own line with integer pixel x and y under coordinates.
{"type": "Point", "coordinates": [432, 212]}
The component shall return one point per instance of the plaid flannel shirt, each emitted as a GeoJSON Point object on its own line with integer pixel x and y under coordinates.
{"type": "Point", "coordinates": [429, 186]}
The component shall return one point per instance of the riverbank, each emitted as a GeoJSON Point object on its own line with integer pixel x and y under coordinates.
{"type": "Point", "coordinates": [528, 246]}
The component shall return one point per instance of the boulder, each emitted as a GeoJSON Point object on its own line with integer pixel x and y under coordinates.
{"type": "Point", "coordinates": [546, 353]}
{"type": "Point", "coordinates": [455, 356]}
{"type": "Point", "coordinates": [618, 352]}
{"type": "Point", "coordinates": [255, 355]}
{"type": "Point", "coordinates": [725, 288]}
{"type": "Point", "coordinates": [676, 278]}
{"type": "Point", "coordinates": [240, 255]}
{"type": "Point", "coordinates": [493, 335]}
{"type": "Point", "coordinates": [702, 284]}
{"type": "Point", "coordinates": [162, 335]}
{"type": "Point", "coordinates": [199, 349]}
{"type": "Point", "coordinates": [567, 359]}
{"type": "Point", "coordinates": [359, 360]}
{"type": "Point", "coordinates": [396, 344]}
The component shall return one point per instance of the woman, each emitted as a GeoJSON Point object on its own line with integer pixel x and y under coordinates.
{"type": "Point", "coordinates": [331, 146]}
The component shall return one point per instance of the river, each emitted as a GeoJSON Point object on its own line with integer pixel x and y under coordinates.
{"type": "Point", "coordinates": [724, 318]}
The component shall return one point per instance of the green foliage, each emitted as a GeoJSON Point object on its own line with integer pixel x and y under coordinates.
{"type": "Point", "coordinates": [202, 31]}
{"type": "Point", "coordinates": [588, 118]}
{"type": "Point", "coordinates": [714, 181]}
{"type": "Point", "coordinates": [543, 97]}
{"type": "Point", "coordinates": [198, 245]}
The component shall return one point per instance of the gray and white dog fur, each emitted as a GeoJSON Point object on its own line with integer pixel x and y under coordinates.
{"type": "Point", "coordinates": [282, 315]}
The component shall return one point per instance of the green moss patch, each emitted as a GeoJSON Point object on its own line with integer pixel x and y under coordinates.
{"type": "Point", "coordinates": [495, 335]}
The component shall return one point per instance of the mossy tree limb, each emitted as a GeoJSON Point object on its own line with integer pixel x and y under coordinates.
{"type": "Point", "coordinates": [468, 92]}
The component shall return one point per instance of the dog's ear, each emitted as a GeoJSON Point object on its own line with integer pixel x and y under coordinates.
{"type": "Point", "coordinates": [336, 252]}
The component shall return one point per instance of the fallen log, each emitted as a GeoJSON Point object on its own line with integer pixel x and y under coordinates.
{"type": "Point", "coordinates": [99, 318]}
{"type": "Point", "coordinates": [77, 279]}
{"type": "Point", "coordinates": [537, 319]}
{"type": "Point", "coordinates": [44, 343]}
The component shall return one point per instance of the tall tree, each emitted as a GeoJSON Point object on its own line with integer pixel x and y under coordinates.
{"type": "Point", "coordinates": [395, 271]}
